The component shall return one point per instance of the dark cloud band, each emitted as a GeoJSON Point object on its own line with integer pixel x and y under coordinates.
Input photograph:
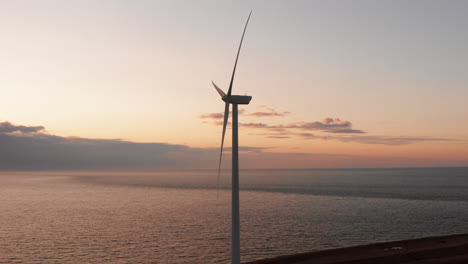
{"type": "Point", "coordinates": [7, 127]}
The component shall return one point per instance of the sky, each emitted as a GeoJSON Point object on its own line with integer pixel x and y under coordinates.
{"type": "Point", "coordinates": [127, 84]}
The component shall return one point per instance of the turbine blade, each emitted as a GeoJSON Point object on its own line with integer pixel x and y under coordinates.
{"type": "Point", "coordinates": [219, 90]}
{"type": "Point", "coordinates": [226, 117]}
{"type": "Point", "coordinates": [237, 57]}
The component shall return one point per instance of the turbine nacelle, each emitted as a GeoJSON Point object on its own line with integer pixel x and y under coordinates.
{"type": "Point", "coordinates": [237, 99]}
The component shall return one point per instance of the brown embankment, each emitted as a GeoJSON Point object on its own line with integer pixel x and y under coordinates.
{"type": "Point", "coordinates": [451, 249]}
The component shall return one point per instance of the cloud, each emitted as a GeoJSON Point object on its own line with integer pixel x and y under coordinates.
{"type": "Point", "coordinates": [27, 147]}
{"type": "Point", "coordinates": [40, 151]}
{"type": "Point", "coordinates": [7, 127]}
{"type": "Point", "coordinates": [255, 125]}
{"type": "Point", "coordinates": [266, 114]}
{"type": "Point", "coordinates": [391, 141]}
{"type": "Point", "coordinates": [379, 140]}
{"type": "Point", "coordinates": [212, 116]}
{"type": "Point", "coordinates": [375, 140]}
{"type": "Point", "coordinates": [336, 129]}
{"type": "Point", "coordinates": [331, 125]}
{"type": "Point", "coordinates": [277, 137]}
{"type": "Point", "coordinates": [32, 150]}
{"type": "Point", "coordinates": [219, 115]}
{"type": "Point", "coordinates": [347, 131]}
{"type": "Point", "coordinates": [271, 112]}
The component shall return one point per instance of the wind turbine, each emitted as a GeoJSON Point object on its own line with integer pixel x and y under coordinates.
{"type": "Point", "coordinates": [235, 100]}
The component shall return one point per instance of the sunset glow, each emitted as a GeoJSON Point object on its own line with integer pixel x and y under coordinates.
{"type": "Point", "coordinates": [350, 87]}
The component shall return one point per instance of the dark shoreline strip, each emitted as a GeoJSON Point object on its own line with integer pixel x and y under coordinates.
{"type": "Point", "coordinates": [452, 249]}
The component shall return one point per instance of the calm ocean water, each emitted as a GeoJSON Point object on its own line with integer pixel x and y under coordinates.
{"type": "Point", "coordinates": [176, 217]}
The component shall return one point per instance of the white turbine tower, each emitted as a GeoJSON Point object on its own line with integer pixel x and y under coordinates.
{"type": "Point", "coordinates": [235, 100]}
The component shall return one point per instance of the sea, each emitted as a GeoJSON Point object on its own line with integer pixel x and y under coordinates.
{"type": "Point", "coordinates": [182, 216]}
